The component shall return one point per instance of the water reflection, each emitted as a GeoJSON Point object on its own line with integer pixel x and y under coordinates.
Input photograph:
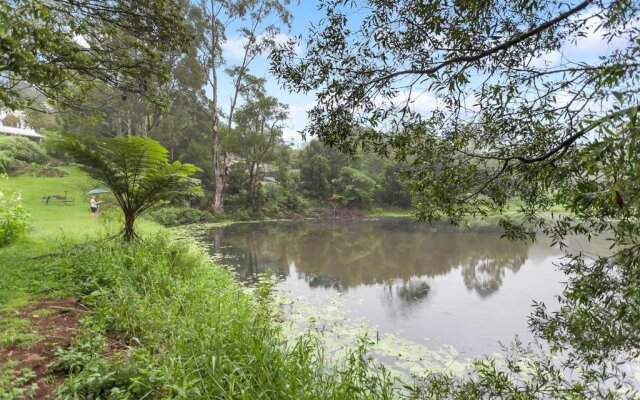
{"type": "Point", "coordinates": [394, 254]}
{"type": "Point", "coordinates": [427, 284]}
{"type": "Point", "coordinates": [403, 297]}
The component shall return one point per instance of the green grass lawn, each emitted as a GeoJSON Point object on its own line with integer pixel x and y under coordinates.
{"type": "Point", "coordinates": [50, 225]}
{"type": "Point", "coordinates": [66, 221]}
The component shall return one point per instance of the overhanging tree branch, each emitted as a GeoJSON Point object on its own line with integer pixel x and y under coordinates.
{"type": "Point", "coordinates": [493, 50]}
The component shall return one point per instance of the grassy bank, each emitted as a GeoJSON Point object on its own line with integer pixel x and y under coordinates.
{"type": "Point", "coordinates": [52, 225]}
{"type": "Point", "coordinates": [69, 221]}
{"type": "Point", "coordinates": [159, 320]}
{"type": "Point", "coordinates": [164, 322]}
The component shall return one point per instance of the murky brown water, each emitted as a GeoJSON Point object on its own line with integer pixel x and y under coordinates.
{"type": "Point", "coordinates": [431, 285]}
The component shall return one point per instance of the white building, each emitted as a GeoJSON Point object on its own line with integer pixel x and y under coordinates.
{"type": "Point", "coordinates": [12, 123]}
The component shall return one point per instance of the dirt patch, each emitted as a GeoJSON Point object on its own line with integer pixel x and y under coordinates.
{"type": "Point", "coordinates": [56, 322]}
{"type": "Point", "coordinates": [117, 346]}
{"type": "Point", "coordinates": [343, 212]}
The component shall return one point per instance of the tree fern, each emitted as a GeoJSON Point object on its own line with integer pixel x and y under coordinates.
{"type": "Point", "coordinates": [136, 170]}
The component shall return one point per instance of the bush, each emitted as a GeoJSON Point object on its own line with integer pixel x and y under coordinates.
{"type": "Point", "coordinates": [356, 187]}
{"type": "Point", "coordinates": [242, 215]}
{"type": "Point", "coordinates": [22, 149]}
{"type": "Point", "coordinates": [173, 216]}
{"type": "Point", "coordinates": [189, 331]}
{"type": "Point", "coordinates": [5, 161]}
{"type": "Point", "coordinates": [33, 169]}
{"type": "Point", "coordinates": [186, 329]}
{"type": "Point", "coordinates": [275, 200]}
{"type": "Point", "coordinates": [49, 146]}
{"type": "Point", "coordinates": [13, 217]}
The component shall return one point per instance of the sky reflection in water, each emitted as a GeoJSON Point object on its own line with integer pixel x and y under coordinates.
{"type": "Point", "coordinates": [432, 285]}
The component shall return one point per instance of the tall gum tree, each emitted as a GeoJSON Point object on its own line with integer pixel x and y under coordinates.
{"type": "Point", "coordinates": [259, 124]}
{"type": "Point", "coordinates": [113, 112]}
{"type": "Point", "coordinates": [257, 23]}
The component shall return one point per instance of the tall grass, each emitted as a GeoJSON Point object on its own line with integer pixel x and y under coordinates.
{"type": "Point", "coordinates": [187, 330]}
{"type": "Point", "coordinates": [191, 331]}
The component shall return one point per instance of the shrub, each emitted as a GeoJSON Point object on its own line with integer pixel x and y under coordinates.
{"type": "Point", "coordinates": [49, 146]}
{"type": "Point", "coordinates": [5, 161]}
{"type": "Point", "coordinates": [34, 169]}
{"type": "Point", "coordinates": [22, 149]}
{"type": "Point", "coordinates": [276, 200]}
{"type": "Point", "coordinates": [186, 329]}
{"type": "Point", "coordinates": [189, 331]}
{"type": "Point", "coordinates": [173, 216]}
{"type": "Point", "coordinates": [13, 217]}
{"type": "Point", "coordinates": [242, 215]}
{"type": "Point", "coordinates": [355, 186]}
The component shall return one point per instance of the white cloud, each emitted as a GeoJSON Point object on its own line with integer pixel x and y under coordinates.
{"type": "Point", "coordinates": [423, 103]}
{"type": "Point", "coordinates": [419, 102]}
{"type": "Point", "coordinates": [81, 41]}
{"type": "Point", "coordinates": [563, 98]}
{"type": "Point", "coordinates": [300, 110]}
{"type": "Point", "coordinates": [290, 135]}
{"type": "Point", "coordinates": [594, 43]}
{"type": "Point", "coordinates": [547, 60]}
{"type": "Point", "coordinates": [233, 49]}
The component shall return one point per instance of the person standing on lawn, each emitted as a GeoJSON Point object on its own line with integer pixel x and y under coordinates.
{"type": "Point", "coordinates": [94, 203]}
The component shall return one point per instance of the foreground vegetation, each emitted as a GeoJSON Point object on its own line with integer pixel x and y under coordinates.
{"type": "Point", "coordinates": [560, 131]}
{"type": "Point", "coordinates": [184, 328]}
{"type": "Point", "coordinates": [161, 320]}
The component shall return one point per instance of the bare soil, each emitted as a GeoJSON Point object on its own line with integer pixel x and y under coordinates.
{"type": "Point", "coordinates": [343, 212]}
{"type": "Point", "coordinates": [57, 323]}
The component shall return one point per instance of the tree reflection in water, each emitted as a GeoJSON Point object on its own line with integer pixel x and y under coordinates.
{"type": "Point", "coordinates": [406, 293]}
{"type": "Point", "coordinates": [398, 254]}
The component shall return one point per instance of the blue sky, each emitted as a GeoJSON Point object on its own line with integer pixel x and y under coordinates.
{"type": "Point", "coordinates": [304, 15]}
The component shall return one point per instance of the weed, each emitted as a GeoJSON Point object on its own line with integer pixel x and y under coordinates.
{"type": "Point", "coordinates": [193, 332]}
{"type": "Point", "coordinates": [16, 332]}
{"type": "Point", "coordinates": [16, 385]}
{"type": "Point", "coordinates": [13, 217]}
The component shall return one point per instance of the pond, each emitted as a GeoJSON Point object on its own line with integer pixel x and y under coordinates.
{"type": "Point", "coordinates": [429, 284]}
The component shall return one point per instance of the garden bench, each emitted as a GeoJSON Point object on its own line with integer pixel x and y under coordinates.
{"type": "Point", "coordinates": [56, 197]}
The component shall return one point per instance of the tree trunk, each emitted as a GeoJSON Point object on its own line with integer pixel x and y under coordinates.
{"type": "Point", "coordinates": [219, 167]}
{"type": "Point", "coordinates": [217, 206]}
{"type": "Point", "coordinates": [252, 178]}
{"type": "Point", "coordinates": [128, 232]}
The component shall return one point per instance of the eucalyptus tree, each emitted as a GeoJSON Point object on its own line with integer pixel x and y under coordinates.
{"type": "Point", "coordinates": [315, 170]}
{"type": "Point", "coordinates": [62, 47]}
{"type": "Point", "coordinates": [259, 123]}
{"type": "Point", "coordinates": [135, 169]}
{"type": "Point", "coordinates": [257, 23]}
{"type": "Point", "coordinates": [491, 102]}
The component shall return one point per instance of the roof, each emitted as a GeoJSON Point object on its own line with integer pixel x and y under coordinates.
{"type": "Point", "coordinates": [8, 130]}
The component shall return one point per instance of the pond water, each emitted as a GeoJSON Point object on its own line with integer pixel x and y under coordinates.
{"type": "Point", "coordinates": [431, 285]}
